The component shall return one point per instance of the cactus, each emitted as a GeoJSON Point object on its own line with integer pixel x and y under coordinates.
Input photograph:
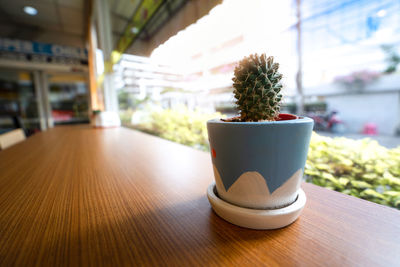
{"type": "Point", "coordinates": [256, 88]}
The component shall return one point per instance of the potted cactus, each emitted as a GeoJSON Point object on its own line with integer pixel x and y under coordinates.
{"type": "Point", "coordinates": [259, 156]}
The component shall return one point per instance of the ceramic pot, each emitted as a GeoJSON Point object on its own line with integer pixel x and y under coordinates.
{"type": "Point", "coordinates": [259, 165]}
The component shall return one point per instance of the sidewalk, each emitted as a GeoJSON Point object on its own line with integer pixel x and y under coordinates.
{"type": "Point", "coordinates": [384, 140]}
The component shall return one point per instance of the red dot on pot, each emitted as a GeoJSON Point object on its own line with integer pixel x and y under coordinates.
{"type": "Point", "coordinates": [213, 153]}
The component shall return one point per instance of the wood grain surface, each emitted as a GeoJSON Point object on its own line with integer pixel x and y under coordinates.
{"type": "Point", "coordinates": [77, 196]}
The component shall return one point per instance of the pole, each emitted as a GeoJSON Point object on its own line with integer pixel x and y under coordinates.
{"type": "Point", "coordinates": [105, 38]}
{"type": "Point", "coordinates": [299, 82]}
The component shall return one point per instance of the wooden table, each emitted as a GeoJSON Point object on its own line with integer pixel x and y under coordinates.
{"type": "Point", "coordinates": [82, 196]}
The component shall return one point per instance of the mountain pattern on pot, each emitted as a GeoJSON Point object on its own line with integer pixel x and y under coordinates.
{"type": "Point", "coordinates": [276, 153]}
{"type": "Point", "coordinates": [251, 190]}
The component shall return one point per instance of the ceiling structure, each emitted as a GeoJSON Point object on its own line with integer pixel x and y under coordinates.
{"type": "Point", "coordinates": [145, 24]}
{"type": "Point", "coordinates": [171, 17]}
{"type": "Point", "coordinates": [64, 22]}
{"type": "Point", "coordinates": [57, 21]}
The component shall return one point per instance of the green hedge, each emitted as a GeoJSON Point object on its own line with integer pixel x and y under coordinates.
{"type": "Point", "coordinates": [182, 126]}
{"type": "Point", "coordinates": [361, 168]}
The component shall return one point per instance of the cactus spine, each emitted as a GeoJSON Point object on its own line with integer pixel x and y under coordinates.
{"type": "Point", "coordinates": [257, 88]}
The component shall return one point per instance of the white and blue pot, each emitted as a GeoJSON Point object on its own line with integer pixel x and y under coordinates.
{"type": "Point", "coordinates": [259, 165]}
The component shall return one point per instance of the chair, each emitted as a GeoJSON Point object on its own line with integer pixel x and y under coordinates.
{"type": "Point", "coordinates": [11, 138]}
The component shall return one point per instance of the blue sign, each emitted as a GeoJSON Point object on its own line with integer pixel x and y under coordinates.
{"type": "Point", "coordinates": [28, 47]}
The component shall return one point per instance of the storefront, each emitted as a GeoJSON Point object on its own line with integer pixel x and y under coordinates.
{"type": "Point", "coordinates": [42, 85]}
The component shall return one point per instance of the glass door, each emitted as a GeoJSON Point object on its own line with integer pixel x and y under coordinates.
{"type": "Point", "coordinates": [69, 98]}
{"type": "Point", "coordinates": [19, 107]}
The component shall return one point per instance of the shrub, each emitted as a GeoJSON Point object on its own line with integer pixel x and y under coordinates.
{"type": "Point", "coordinates": [361, 168]}
{"type": "Point", "coordinates": [125, 116]}
{"type": "Point", "coordinates": [358, 79]}
{"type": "Point", "coordinates": [182, 126]}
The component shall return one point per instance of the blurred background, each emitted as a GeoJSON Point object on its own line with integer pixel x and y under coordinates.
{"type": "Point", "coordinates": [165, 67]}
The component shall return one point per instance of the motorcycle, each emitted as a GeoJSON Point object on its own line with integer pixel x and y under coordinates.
{"type": "Point", "coordinates": [328, 122]}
